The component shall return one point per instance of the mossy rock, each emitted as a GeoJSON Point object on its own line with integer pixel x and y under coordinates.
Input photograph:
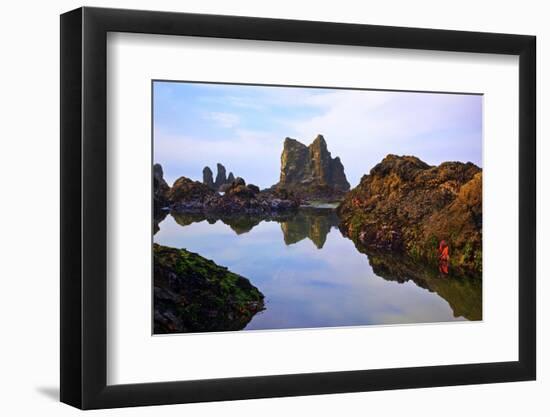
{"type": "Point", "coordinates": [194, 294]}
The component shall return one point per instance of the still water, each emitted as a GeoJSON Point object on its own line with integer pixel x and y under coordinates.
{"type": "Point", "coordinates": [312, 276]}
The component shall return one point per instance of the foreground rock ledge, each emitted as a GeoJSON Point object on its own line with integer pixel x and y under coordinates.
{"type": "Point", "coordinates": [405, 205]}
{"type": "Point", "coordinates": [193, 294]}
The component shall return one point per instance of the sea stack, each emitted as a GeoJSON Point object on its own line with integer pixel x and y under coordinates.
{"type": "Point", "coordinates": [311, 170]}
{"type": "Point", "coordinates": [160, 188]}
{"type": "Point", "coordinates": [221, 183]}
{"type": "Point", "coordinates": [221, 179]}
{"type": "Point", "coordinates": [208, 177]}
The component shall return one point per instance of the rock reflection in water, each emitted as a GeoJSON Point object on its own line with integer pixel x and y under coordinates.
{"type": "Point", "coordinates": [332, 282]}
{"type": "Point", "coordinates": [462, 293]}
{"type": "Point", "coordinates": [158, 217]}
{"type": "Point", "coordinates": [312, 223]}
{"type": "Point", "coordinates": [238, 223]}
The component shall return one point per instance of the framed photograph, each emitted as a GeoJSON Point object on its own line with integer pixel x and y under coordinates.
{"type": "Point", "coordinates": [257, 207]}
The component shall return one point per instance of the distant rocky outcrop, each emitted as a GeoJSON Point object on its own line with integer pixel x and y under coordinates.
{"type": "Point", "coordinates": [220, 176]}
{"type": "Point", "coordinates": [208, 178]}
{"type": "Point", "coordinates": [187, 190]}
{"type": "Point", "coordinates": [193, 294]}
{"type": "Point", "coordinates": [160, 189]}
{"type": "Point", "coordinates": [221, 181]}
{"type": "Point", "coordinates": [188, 195]}
{"type": "Point", "coordinates": [311, 171]}
{"type": "Point", "coordinates": [407, 205]}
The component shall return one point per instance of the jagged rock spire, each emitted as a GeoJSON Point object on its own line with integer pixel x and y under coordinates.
{"type": "Point", "coordinates": [303, 165]}
{"type": "Point", "coordinates": [208, 177]}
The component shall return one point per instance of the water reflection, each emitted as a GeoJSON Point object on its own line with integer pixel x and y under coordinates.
{"type": "Point", "coordinates": [311, 223]}
{"type": "Point", "coordinates": [462, 293]}
{"type": "Point", "coordinates": [314, 224]}
{"type": "Point", "coordinates": [158, 217]}
{"type": "Point", "coordinates": [324, 280]}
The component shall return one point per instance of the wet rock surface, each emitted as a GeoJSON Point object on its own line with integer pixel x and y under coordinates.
{"type": "Point", "coordinates": [193, 294]}
{"type": "Point", "coordinates": [238, 197]}
{"type": "Point", "coordinates": [405, 205]}
{"type": "Point", "coordinates": [187, 191]}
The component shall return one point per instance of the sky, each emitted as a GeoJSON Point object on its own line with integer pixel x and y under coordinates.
{"type": "Point", "coordinates": [244, 127]}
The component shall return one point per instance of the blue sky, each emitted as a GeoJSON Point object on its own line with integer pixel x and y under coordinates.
{"type": "Point", "coordinates": [243, 127]}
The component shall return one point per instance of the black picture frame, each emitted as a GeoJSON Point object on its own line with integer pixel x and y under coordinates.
{"type": "Point", "coordinates": [84, 207]}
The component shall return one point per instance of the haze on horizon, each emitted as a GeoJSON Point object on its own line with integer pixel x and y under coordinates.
{"type": "Point", "coordinates": [244, 127]}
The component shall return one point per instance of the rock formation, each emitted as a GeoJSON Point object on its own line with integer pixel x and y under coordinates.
{"type": "Point", "coordinates": [193, 294]}
{"type": "Point", "coordinates": [310, 170]}
{"type": "Point", "coordinates": [186, 190]}
{"type": "Point", "coordinates": [239, 188]}
{"type": "Point", "coordinates": [208, 177]}
{"type": "Point", "coordinates": [407, 205]}
{"type": "Point", "coordinates": [188, 195]}
{"type": "Point", "coordinates": [160, 189]}
{"type": "Point", "coordinates": [220, 176]}
{"type": "Point", "coordinates": [221, 183]}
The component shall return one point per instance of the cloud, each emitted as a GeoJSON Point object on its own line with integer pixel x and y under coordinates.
{"type": "Point", "coordinates": [226, 120]}
{"type": "Point", "coordinates": [362, 127]}
{"type": "Point", "coordinates": [252, 155]}
{"type": "Point", "coordinates": [243, 127]}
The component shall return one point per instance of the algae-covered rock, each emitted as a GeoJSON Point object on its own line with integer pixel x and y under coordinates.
{"type": "Point", "coordinates": [193, 294]}
{"type": "Point", "coordinates": [407, 205]}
